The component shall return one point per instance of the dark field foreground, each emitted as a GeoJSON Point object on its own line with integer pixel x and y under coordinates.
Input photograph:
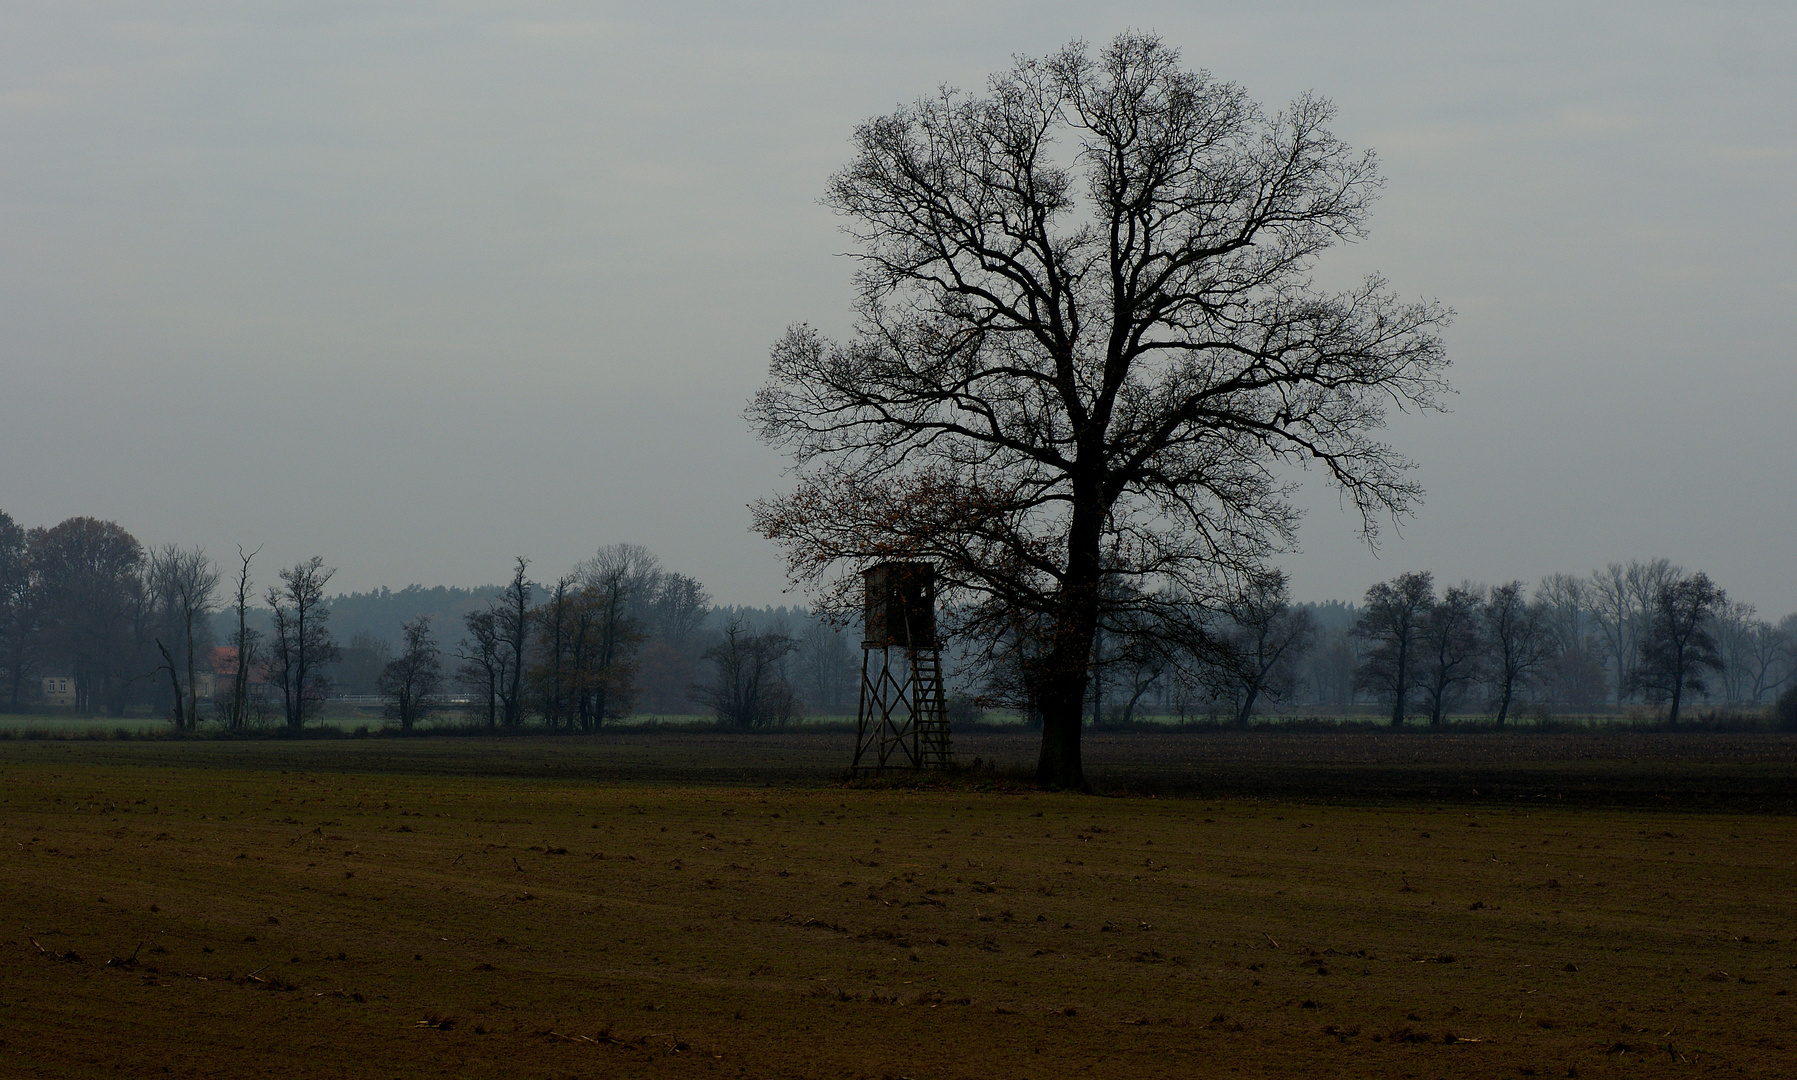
{"type": "Point", "coordinates": [483, 908]}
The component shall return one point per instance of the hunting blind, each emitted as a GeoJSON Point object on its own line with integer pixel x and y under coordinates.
{"type": "Point", "coordinates": [902, 718]}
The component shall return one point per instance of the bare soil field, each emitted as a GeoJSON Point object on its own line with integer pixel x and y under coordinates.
{"type": "Point", "coordinates": [719, 905]}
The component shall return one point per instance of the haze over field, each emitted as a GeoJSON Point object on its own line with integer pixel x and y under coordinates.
{"type": "Point", "coordinates": [421, 287]}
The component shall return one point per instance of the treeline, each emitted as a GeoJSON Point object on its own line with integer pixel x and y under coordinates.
{"type": "Point", "coordinates": [1635, 633]}
{"type": "Point", "coordinates": [93, 621]}
{"type": "Point", "coordinates": [116, 626]}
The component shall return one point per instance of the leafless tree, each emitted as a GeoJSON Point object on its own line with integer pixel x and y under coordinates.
{"type": "Point", "coordinates": [1138, 663]}
{"type": "Point", "coordinates": [246, 642]}
{"type": "Point", "coordinates": [560, 633]}
{"type": "Point", "coordinates": [482, 653]}
{"type": "Point", "coordinates": [184, 583]}
{"type": "Point", "coordinates": [1520, 642]}
{"type": "Point", "coordinates": [1331, 668]}
{"type": "Point", "coordinates": [826, 661]}
{"type": "Point", "coordinates": [1390, 625]}
{"type": "Point", "coordinates": [1564, 601]}
{"type": "Point", "coordinates": [412, 682]}
{"type": "Point", "coordinates": [624, 581]}
{"type": "Point", "coordinates": [1262, 641]}
{"type": "Point", "coordinates": [302, 644]}
{"type": "Point", "coordinates": [1679, 645]}
{"type": "Point", "coordinates": [1451, 647]}
{"type": "Point", "coordinates": [511, 622]}
{"type": "Point", "coordinates": [750, 692]}
{"type": "Point", "coordinates": [1734, 623]}
{"type": "Point", "coordinates": [1623, 597]}
{"type": "Point", "coordinates": [1771, 657]}
{"type": "Point", "coordinates": [1087, 342]}
{"type": "Point", "coordinates": [679, 611]}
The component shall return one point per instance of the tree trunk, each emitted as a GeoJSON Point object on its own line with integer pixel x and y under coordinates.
{"type": "Point", "coordinates": [1062, 698]}
{"type": "Point", "coordinates": [193, 690]}
{"type": "Point", "coordinates": [1403, 686]}
{"type": "Point", "coordinates": [174, 678]}
{"type": "Point", "coordinates": [1129, 710]}
{"type": "Point", "coordinates": [1247, 709]}
{"type": "Point", "coordinates": [1063, 678]}
{"type": "Point", "coordinates": [1504, 704]}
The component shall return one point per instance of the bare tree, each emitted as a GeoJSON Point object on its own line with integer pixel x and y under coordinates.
{"type": "Point", "coordinates": [1264, 639]}
{"type": "Point", "coordinates": [582, 674]}
{"type": "Point", "coordinates": [246, 641]}
{"type": "Point", "coordinates": [1087, 341]}
{"type": "Point", "coordinates": [1574, 672]}
{"type": "Point", "coordinates": [826, 659]}
{"type": "Point", "coordinates": [302, 644]}
{"type": "Point", "coordinates": [482, 653]}
{"type": "Point", "coordinates": [560, 633]}
{"type": "Point", "coordinates": [1451, 648]}
{"type": "Point", "coordinates": [750, 692]}
{"type": "Point", "coordinates": [1623, 596]}
{"type": "Point", "coordinates": [1738, 628]}
{"type": "Point", "coordinates": [412, 682]}
{"type": "Point", "coordinates": [1390, 623]}
{"type": "Point", "coordinates": [511, 621]}
{"type": "Point", "coordinates": [679, 611]}
{"type": "Point", "coordinates": [1139, 661]}
{"type": "Point", "coordinates": [184, 583]}
{"type": "Point", "coordinates": [1519, 639]}
{"type": "Point", "coordinates": [1679, 645]}
{"type": "Point", "coordinates": [1564, 601]}
{"type": "Point", "coordinates": [624, 581]}
{"type": "Point", "coordinates": [1332, 667]}
{"type": "Point", "coordinates": [1770, 657]}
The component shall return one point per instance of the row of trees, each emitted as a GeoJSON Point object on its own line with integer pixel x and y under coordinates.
{"type": "Point", "coordinates": [170, 632]}
{"type": "Point", "coordinates": [1643, 631]}
{"type": "Point", "coordinates": [618, 633]}
{"type": "Point", "coordinates": [84, 599]}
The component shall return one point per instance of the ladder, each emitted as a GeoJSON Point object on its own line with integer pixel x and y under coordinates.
{"type": "Point", "coordinates": [929, 706]}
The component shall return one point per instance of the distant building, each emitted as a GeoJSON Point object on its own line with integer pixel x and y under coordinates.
{"type": "Point", "coordinates": [222, 679]}
{"type": "Point", "coordinates": [59, 690]}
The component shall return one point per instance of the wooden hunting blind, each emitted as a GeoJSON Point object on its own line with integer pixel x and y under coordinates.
{"type": "Point", "coordinates": [902, 719]}
{"type": "Point", "coordinates": [900, 605]}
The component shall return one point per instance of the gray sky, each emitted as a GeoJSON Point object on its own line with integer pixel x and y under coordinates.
{"type": "Point", "coordinates": [416, 287]}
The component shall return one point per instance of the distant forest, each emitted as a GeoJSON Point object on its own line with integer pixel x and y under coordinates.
{"type": "Point", "coordinates": [92, 622]}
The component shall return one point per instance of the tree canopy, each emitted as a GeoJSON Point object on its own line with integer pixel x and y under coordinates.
{"type": "Point", "coordinates": [1088, 346]}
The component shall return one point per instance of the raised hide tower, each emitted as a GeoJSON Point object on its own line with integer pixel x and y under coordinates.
{"type": "Point", "coordinates": [902, 719]}
{"type": "Point", "coordinates": [900, 605]}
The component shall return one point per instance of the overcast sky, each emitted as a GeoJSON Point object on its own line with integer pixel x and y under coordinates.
{"type": "Point", "coordinates": [418, 287]}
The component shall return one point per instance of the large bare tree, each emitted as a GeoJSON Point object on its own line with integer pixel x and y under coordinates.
{"type": "Point", "coordinates": [1088, 344]}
